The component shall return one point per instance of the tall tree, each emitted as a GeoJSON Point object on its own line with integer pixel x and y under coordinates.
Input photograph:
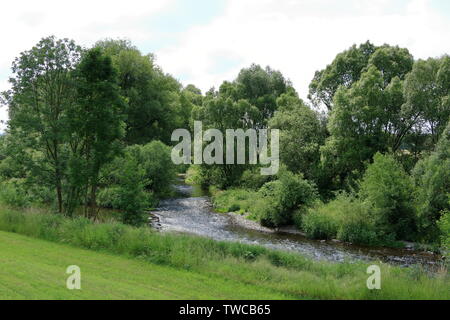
{"type": "Point", "coordinates": [369, 116]}
{"type": "Point", "coordinates": [41, 93]}
{"type": "Point", "coordinates": [302, 132]}
{"type": "Point", "coordinates": [427, 94]}
{"type": "Point", "coordinates": [95, 122]}
{"type": "Point", "coordinates": [154, 109]}
{"type": "Point", "coordinates": [345, 70]}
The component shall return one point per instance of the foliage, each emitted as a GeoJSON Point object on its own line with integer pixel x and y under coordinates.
{"type": "Point", "coordinates": [345, 69]}
{"type": "Point", "coordinates": [346, 218]}
{"type": "Point", "coordinates": [302, 132]}
{"type": "Point", "coordinates": [432, 178]}
{"type": "Point", "coordinates": [390, 192]}
{"type": "Point", "coordinates": [444, 227]}
{"type": "Point", "coordinates": [155, 159]}
{"type": "Point", "coordinates": [427, 97]}
{"type": "Point", "coordinates": [154, 108]}
{"type": "Point", "coordinates": [127, 192]}
{"type": "Point", "coordinates": [41, 93]}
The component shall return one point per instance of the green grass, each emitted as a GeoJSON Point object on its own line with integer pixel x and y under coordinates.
{"type": "Point", "coordinates": [204, 268]}
{"type": "Point", "coordinates": [35, 269]}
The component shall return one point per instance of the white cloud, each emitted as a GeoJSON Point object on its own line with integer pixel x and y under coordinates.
{"type": "Point", "coordinates": [24, 23]}
{"type": "Point", "coordinates": [295, 37]}
{"type": "Point", "coordinates": [300, 37]}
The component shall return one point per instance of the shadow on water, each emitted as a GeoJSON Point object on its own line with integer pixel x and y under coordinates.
{"type": "Point", "coordinates": [192, 213]}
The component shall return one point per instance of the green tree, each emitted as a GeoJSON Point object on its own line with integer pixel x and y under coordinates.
{"type": "Point", "coordinates": [432, 178]}
{"type": "Point", "coordinates": [96, 126]}
{"type": "Point", "coordinates": [41, 93]}
{"type": "Point", "coordinates": [302, 132]}
{"type": "Point", "coordinates": [261, 88]}
{"type": "Point", "coordinates": [153, 98]}
{"type": "Point", "coordinates": [390, 192]}
{"type": "Point", "coordinates": [369, 116]}
{"type": "Point", "coordinates": [345, 70]}
{"type": "Point", "coordinates": [427, 94]}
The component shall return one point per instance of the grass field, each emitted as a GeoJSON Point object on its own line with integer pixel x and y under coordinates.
{"type": "Point", "coordinates": [123, 262]}
{"type": "Point", "coordinates": [35, 269]}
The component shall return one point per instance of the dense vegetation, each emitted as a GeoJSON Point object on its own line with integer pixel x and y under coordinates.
{"type": "Point", "coordinates": [90, 128]}
{"type": "Point", "coordinates": [149, 264]}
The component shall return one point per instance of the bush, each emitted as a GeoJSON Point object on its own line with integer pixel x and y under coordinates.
{"type": "Point", "coordinates": [252, 179]}
{"type": "Point", "coordinates": [285, 195]}
{"type": "Point", "coordinates": [432, 178]}
{"type": "Point", "coordinates": [155, 159]}
{"type": "Point", "coordinates": [234, 200]}
{"type": "Point", "coordinates": [319, 225]}
{"type": "Point", "coordinates": [126, 190]}
{"type": "Point", "coordinates": [346, 218]}
{"type": "Point", "coordinates": [390, 192]}
{"type": "Point", "coordinates": [13, 193]}
{"type": "Point", "coordinates": [444, 227]}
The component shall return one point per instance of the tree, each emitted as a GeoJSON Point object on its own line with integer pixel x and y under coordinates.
{"type": "Point", "coordinates": [222, 113]}
{"type": "Point", "coordinates": [261, 88]}
{"type": "Point", "coordinates": [390, 192]}
{"type": "Point", "coordinates": [41, 93]}
{"type": "Point", "coordinates": [301, 134]}
{"type": "Point", "coordinates": [369, 116]}
{"type": "Point", "coordinates": [432, 178]}
{"type": "Point", "coordinates": [345, 70]}
{"type": "Point", "coordinates": [96, 125]}
{"type": "Point", "coordinates": [154, 109]}
{"type": "Point", "coordinates": [427, 95]}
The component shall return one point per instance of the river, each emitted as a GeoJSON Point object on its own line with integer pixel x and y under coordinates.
{"type": "Point", "coordinates": [191, 212]}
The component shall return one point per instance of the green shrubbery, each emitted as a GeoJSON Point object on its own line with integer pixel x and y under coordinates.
{"type": "Point", "coordinates": [390, 192]}
{"type": "Point", "coordinates": [234, 200]}
{"type": "Point", "coordinates": [382, 211]}
{"type": "Point", "coordinates": [444, 227]}
{"type": "Point", "coordinates": [274, 203]}
{"type": "Point", "coordinates": [346, 218]}
{"type": "Point", "coordinates": [136, 180]}
{"type": "Point", "coordinates": [432, 178]}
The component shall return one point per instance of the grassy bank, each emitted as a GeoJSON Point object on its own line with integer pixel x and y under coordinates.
{"type": "Point", "coordinates": [35, 269]}
{"type": "Point", "coordinates": [273, 273]}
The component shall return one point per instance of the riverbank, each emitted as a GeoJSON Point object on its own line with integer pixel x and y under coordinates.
{"type": "Point", "coordinates": [238, 203]}
{"type": "Point", "coordinates": [274, 272]}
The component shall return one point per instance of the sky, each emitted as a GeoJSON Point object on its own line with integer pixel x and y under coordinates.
{"type": "Point", "coordinates": [205, 42]}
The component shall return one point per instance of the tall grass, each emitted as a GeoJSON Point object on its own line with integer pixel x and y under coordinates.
{"type": "Point", "coordinates": [282, 271]}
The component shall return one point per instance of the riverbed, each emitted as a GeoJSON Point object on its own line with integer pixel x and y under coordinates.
{"type": "Point", "coordinates": [191, 212]}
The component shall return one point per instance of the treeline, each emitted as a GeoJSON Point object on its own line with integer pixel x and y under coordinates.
{"type": "Point", "coordinates": [88, 128]}
{"type": "Point", "coordinates": [373, 169]}
{"type": "Point", "coordinates": [91, 128]}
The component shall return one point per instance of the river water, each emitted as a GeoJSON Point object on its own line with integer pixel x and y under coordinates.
{"type": "Point", "coordinates": [191, 212]}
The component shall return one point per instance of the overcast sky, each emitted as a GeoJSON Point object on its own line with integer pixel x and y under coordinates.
{"type": "Point", "coordinates": [205, 42]}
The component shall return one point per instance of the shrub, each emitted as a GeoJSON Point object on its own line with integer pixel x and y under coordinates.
{"type": "Point", "coordinates": [346, 218]}
{"type": "Point", "coordinates": [234, 200]}
{"type": "Point", "coordinates": [432, 178]}
{"type": "Point", "coordinates": [390, 192]}
{"type": "Point", "coordinates": [155, 159]}
{"type": "Point", "coordinates": [252, 179]}
{"type": "Point", "coordinates": [444, 227]}
{"type": "Point", "coordinates": [126, 190]}
{"type": "Point", "coordinates": [13, 193]}
{"type": "Point", "coordinates": [285, 195]}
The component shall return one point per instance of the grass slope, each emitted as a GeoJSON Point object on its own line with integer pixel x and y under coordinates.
{"type": "Point", "coordinates": [149, 264]}
{"type": "Point", "coordinates": [35, 269]}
